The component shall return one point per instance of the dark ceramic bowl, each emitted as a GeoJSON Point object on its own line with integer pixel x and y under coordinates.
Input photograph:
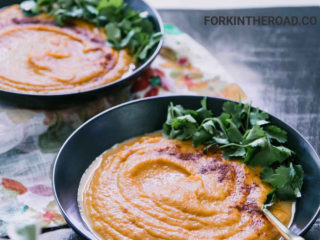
{"type": "Point", "coordinates": [51, 101]}
{"type": "Point", "coordinates": [145, 116]}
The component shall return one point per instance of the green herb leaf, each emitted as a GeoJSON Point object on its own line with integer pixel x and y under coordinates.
{"type": "Point", "coordinates": [28, 5]}
{"type": "Point", "coordinates": [113, 32]}
{"type": "Point", "coordinates": [235, 110]}
{"type": "Point", "coordinates": [92, 10]}
{"type": "Point", "coordinates": [234, 152]}
{"type": "Point", "coordinates": [200, 137]}
{"type": "Point", "coordinates": [221, 141]}
{"type": "Point", "coordinates": [233, 133]}
{"type": "Point", "coordinates": [258, 118]}
{"type": "Point", "coordinates": [179, 125]}
{"type": "Point", "coordinates": [109, 3]}
{"type": "Point", "coordinates": [30, 8]}
{"type": "Point", "coordinates": [254, 133]}
{"type": "Point", "coordinates": [125, 41]}
{"type": "Point", "coordinates": [243, 133]}
{"type": "Point", "coordinates": [125, 28]}
{"type": "Point", "coordinates": [222, 121]}
{"type": "Point", "coordinates": [276, 133]}
{"type": "Point", "coordinates": [287, 181]}
{"type": "Point", "coordinates": [268, 155]}
{"type": "Point", "coordinates": [208, 125]}
{"type": "Point", "coordinates": [154, 39]}
{"type": "Point", "coordinates": [271, 198]}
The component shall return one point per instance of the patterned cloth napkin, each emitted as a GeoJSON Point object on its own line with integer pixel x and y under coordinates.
{"type": "Point", "coordinates": [29, 139]}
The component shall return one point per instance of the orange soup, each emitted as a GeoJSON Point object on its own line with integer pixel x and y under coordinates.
{"type": "Point", "coordinates": [154, 188]}
{"type": "Point", "coordinates": [38, 57]}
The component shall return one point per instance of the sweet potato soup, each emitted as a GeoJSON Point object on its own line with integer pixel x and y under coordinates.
{"type": "Point", "coordinates": [154, 188]}
{"type": "Point", "coordinates": [38, 57]}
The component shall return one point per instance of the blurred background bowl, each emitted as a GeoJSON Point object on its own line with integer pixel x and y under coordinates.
{"type": "Point", "coordinates": [52, 101]}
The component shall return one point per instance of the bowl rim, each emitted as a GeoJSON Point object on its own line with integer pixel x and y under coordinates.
{"type": "Point", "coordinates": [313, 151]}
{"type": "Point", "coordinates": [136, 71]}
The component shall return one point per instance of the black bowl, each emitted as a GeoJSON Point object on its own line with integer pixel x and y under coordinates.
{"type": "Point", "coordinates": [51, 101]}
{"type": "Point", "coordinates": [145, 116]}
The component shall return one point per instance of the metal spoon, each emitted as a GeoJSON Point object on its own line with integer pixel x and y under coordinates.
{"type": "Point", "coordinates": [284, 231]}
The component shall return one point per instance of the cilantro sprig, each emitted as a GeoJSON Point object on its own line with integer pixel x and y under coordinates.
{"type": "Point", "coordinates": [244, 133]}
{"type": "Point", "coordinates": [124, 27]}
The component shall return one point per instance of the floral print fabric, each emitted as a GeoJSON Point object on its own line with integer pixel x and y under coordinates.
{"type": "Point", "coordinates": [29, 140]}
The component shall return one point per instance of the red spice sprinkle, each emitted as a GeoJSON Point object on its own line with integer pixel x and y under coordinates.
{"type": "Point", "coordinates": [251, 207]}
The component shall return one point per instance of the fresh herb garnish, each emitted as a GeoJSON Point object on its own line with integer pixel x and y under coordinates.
{"type": "Point", "coordinates": [243, 133]}
{"type": "Point", "coordinates": [124, 27]}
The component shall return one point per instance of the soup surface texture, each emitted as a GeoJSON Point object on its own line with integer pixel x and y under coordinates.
{"type": "Point", "coordinates": [154, 188]}
{"type": "Point", "coordinates": [38, 57]}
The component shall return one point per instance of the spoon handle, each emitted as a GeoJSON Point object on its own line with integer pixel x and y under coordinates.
{"type": "Point", "coordinates": [284, 231]}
